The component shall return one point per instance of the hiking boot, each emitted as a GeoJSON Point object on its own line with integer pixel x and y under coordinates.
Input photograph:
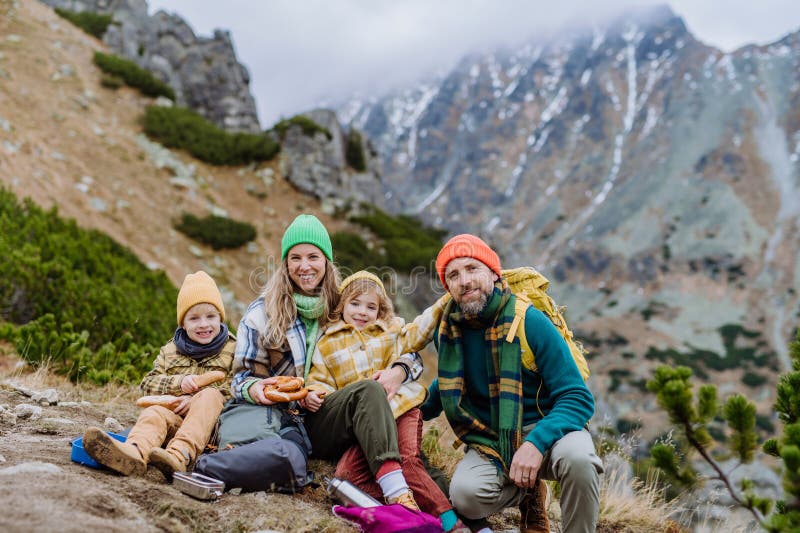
{"type": "Point", "coordinates": [533, 509]}
{"type": "Point", "coordinates": [168, 462]}
{"type": "Point", "coordinates": [406, 499]}
{"type": "Point", "coordinates": [119, 456]}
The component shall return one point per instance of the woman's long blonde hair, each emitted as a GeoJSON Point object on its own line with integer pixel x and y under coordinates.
{"type": "Point", "coordinates": [280, 307]}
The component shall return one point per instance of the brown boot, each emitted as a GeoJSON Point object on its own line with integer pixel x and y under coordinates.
{"type": "Point", "coordinates": [118, 456]}
{"type": "Point", "coordinates": [168, 461]}
{"type": "Point", "coordinates": [406, 499]}
{"type": "Point", "coordinates": [533, 508]}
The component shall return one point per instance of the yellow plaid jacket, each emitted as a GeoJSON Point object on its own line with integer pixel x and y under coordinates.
{"type": "Point", "coordinates": [170, 367]}
{"type": "Point", "coordinates": [346, 355]}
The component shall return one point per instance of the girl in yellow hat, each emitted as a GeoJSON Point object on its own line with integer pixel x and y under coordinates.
{"type": "Point", "coordinates": [363, 343]}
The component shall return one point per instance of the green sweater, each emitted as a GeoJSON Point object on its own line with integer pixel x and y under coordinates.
{"type": "Point", "coordinates": [564, 399]}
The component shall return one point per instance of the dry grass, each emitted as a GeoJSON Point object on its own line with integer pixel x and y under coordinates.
{"type": "Point", "coordinates": [437, 444]}
{"type": "Point", "coordinates": [14, 370]}
{"type": "Point", "coordinates": [636, 506]}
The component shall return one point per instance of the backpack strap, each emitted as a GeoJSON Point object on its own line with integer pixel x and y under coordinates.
{"type": "Point", "coordinates": [520, 308]}
{"type": "Point", "coordinates": [525, 352]}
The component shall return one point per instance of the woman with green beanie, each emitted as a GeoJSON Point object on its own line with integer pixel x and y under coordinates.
{"type": "Point", "coordinates": [277, 336]}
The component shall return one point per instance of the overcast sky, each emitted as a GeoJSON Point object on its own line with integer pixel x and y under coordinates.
{"type": "Point", "coordinates": [301, 52]}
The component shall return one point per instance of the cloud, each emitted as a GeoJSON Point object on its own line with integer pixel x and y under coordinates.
{"type": "Point", "coordinates": [302, 52]}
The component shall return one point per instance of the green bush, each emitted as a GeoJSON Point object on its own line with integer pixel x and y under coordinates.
{"type": "Point", "coordinates": [309, 127]}
{"type": "Point", "coordinates": [85, 280]}
{"type": "Point", "coordinates": [178, 127]}
{"type": "Point", "coordinates": [109, 81]}
{"type": "Point", "coordinates": [407, 241]}
{"type": "Point", "coordinates": [354, 152]}
{"type": "Point", "coordinates": [133, 75]}
{"type": "Point", "coordinates": [751, 379]}
{"type": "Point", "coordinates": [352, 254]}
{"type": "Point", "coordinates": [218, 232]}
{"type": "Point", "coordinates": [68, 352]}
{"type": "Point", "coordinates": [92, 23]}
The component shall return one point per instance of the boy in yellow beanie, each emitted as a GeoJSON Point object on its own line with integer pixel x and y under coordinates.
{"type": "Point", "coordinates": [201, 343]}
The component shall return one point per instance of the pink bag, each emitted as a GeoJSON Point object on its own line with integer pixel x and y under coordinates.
{"type": "Point", "coordinates": [393, 518]}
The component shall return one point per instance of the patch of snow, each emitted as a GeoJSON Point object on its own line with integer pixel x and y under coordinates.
{"type": "Point", "coordinates": [597, 39]}
{"type": "Point", "coordinates": [650, 121]}
{"type": "Point", "coordinates": [556, 106]}
{"type": "Point", "coordinates": [612, 93]}
{"type": "Point", "coordinates": [516, 174]}
{"type": "Point", "coordinates": [511, 87]}
{"type": "Point", "coordinates": [580, 123]}
{"type": "Point", "coordinates": [542, 139]}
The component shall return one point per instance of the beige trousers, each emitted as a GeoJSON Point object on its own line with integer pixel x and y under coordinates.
{"type": "Point", "coordinates": [187, 435]}
{"type": "Point", "coordinates": [478, 489]}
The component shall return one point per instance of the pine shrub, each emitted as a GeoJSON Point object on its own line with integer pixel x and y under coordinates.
{"type": "Point", "coordinates": [94, 24]}
{"type": "Point", "coordinates": [408, 242]}
{"type": "Point", "coordinates": [76, 293]}
{"type": "Point", "coordinates": [675, 394]}
{"type": "Point", "coordinates": [109, 81]}
{"type": "Point", "coordinates": [178, 127]}
{"type": "Point", "coordinates": [308, 126]}
{"type": "Point", "coordinates": [354, 152]}
{"type": "Point", "coordinates": [352, 253]}
{"type": "Point", "coordinates": [217, 232]}
{"type": "Point", "coordinates": [133, 75]}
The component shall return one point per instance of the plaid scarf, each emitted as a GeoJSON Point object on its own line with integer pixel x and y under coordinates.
{"type": "Point", "coordinates": [502, 438]}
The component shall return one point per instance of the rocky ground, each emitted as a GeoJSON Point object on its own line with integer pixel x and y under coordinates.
{"type": "Point", "coordinates": [43, 490]}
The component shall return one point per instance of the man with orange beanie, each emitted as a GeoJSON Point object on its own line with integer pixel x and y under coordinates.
{"type": "Point", "coordinates": [522, 421]}
{"type": "Point", "coordinates": [201, 344]}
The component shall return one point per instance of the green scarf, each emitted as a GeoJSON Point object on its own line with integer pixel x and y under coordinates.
{"type": "Point", "coordinates": [309, 309]}
{"type": "Point", "coordinates": [502, 438]}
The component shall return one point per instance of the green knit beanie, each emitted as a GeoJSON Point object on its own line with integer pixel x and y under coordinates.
{"type": "Point", "coordinates": [307, 229]}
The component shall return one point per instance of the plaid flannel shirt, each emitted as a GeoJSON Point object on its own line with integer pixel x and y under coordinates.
{"type": "Point", "coordinates": [253, 362]}
{"type": "Point", "coordinates": [346, 355]}
{"type": "Point", "coordinates": [170, 367]}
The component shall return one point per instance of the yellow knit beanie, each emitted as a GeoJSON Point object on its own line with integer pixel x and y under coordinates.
{"type": "Point", "coordinates": [362, 274]}
{"type": "Point", "coordinates": [198, 288]}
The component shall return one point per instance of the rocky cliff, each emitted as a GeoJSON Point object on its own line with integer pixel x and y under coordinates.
{"type": "Point", "coordinates": [652, 177]}
{"type": "Point", "coordinates": [203, 71]}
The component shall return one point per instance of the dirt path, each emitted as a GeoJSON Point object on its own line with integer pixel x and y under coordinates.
{"type": "Point", "coordinates": [43, 490]}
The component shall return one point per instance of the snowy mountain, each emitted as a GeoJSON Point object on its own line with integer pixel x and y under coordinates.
{"type": "Point", "coordinates": [653, 178]}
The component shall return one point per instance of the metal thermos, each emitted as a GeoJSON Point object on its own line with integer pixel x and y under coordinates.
{"type": "Point", "coordinates": [348, 494]}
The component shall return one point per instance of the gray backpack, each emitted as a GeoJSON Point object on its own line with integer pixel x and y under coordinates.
{"type": "Point", "coordinates": [261, 448]}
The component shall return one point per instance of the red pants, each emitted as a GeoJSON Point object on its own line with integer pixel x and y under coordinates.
{"type": "Point", "coordinates": [353, 467]}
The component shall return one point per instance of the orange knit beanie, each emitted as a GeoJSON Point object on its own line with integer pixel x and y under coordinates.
{"type": "Point", "coordinates": [466, 245]}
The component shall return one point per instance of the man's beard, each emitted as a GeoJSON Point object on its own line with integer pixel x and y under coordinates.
{"type": "Point", "coordinates": [474, 307]}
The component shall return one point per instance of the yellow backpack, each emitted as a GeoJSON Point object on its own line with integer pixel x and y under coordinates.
{"type": "Point", "coordinates": [530, 288]}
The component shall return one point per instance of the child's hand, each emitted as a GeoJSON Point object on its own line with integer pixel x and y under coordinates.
{"type": "Point", "coordinates": [314, 400]}
{"type": "Point", "coordinates": [391, 379]}
{"type": "Point", "coordinates": [188, 384]}
{"type": "Point", "coordinates": [183, 407]}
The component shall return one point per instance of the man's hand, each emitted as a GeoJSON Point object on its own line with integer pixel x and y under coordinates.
{"type": "Point", "coordinates": [391, 379]}
{"type": "Point", "coordinates": [188, 385]}
{"type": "Point", "coordinates": [256, 391]}
{"type": "Point", "coordinates": [525, 465]}
{"type": "Point", "coordinates": [183, 407]}
{"type": "Point", "coordinates": [314, 400]}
